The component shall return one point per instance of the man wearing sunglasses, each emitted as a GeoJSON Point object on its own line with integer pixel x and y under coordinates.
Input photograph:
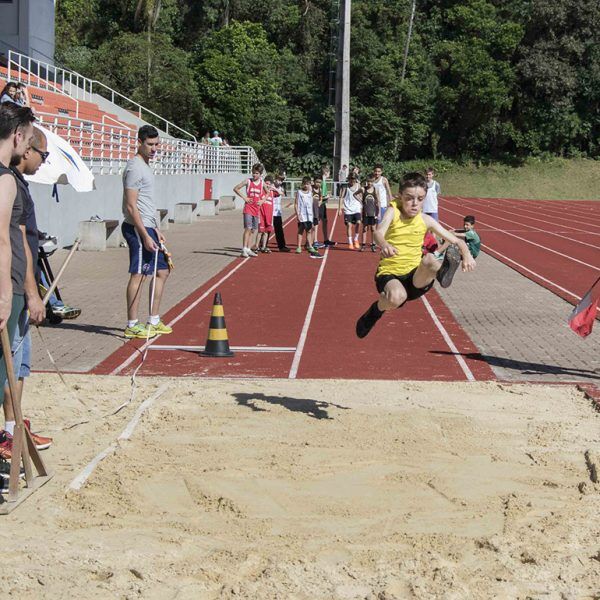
{"type": "Point", "coordinates": [33, 311]}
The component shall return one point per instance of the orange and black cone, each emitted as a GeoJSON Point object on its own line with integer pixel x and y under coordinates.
{"type": "Point", "coordinates": [217, 343]}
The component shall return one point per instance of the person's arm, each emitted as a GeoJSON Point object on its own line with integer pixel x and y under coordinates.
{"type": "Point", "coordinates": [388, 189]}
{"type": "Point", "coordinates": [468, 262]}
{"type": "Point", "coordinates": [131, 197]}
{"type": "Point", "coordinates": [387, 249]}
{"type": "Point", "coordinates": [296, 206]}
{"type": "Point", "coordinates": [238, 190]}
{"type": "Point", "coordinates": [25, 97]}
{"type": "Point", "coordinates": [8, 190]}
{"type": "Point", "coordinates": [377, 203]}
{"type": "Point", "coordinates": [340, 200]}
{"type": "Point", "coordinates": [37, 312]}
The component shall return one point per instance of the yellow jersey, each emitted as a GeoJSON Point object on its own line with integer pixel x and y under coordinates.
{"type": "Point", "coordinates": [406, 235]}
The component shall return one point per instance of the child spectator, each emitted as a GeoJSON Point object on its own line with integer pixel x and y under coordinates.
{"type": "Point", "coordinates": [303, 206]}
{"type": "Point", "coordinates": [430, 206]}
{"type": "Point", "coordinates": [370, 211]}
{"type": "Point", "coordinates": [9, 93]}
{"type": "Point", "coordinates": [468, 234]}
{"type": "Point", "coordinates": [382, 185]}
{"type": "Point", "coordinates": [216, 140]}
{"type": "Point", "coordinates": [253, 198]}
{"type": "Point", "coordinates": [265, 214]}
{"type": "Point", "coordinates": [278, 194]}
{"type": "Point", "coordinates": [22, 95]}
{"type": "Point", "coordinates": [317, 194]}
{"type": "Point", "coordinates": [350, 203]}
{"type": "Point", "coordinates": [206, 139]}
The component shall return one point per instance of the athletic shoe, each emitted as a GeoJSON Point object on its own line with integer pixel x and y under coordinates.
{"type": "Point", "coordinates": [284, 249]}
{"type": "Point", "coordinates": [362, 248]}
{"type": "Point", "coordinates": [244, 253]}
{"type": "Point", "coordinates": [330, 243]}
{"type": "Point", "coordinates": [357, 244]}
{"type": "Point", "coordinates": [139, 331]}
{"type": "Point", "coordinates": [41, 442]}
{"type": "Point", "coordinates": [5, 475]}
{"type": "Point", "coordinates": [449, 266]}
{"type": "Point", "coordinates": [313, 253]}
{"type": "Point", "coordinates": [351, 246]}
{"type": "Point", "coordinates": [373, 247]}
{"type": "Point", "coordinates": [266, 250]}
{"type": "Point", "coordinates": [251, 253]}
{"type": "Point", "coordinates": [298, 250]}
{"type": "Point", "coordinates": [160, 328]}
{"type": "Point", "coordinates": [366, 322]}
{"type": "Point", "coordinates": [318, 245]}
{"type": "Point", "coordinates": [6, 441]}
{"type": "Point", "coordinates": [66, 312]}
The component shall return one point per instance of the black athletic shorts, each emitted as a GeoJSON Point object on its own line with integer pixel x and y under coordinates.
{"type": "Point", "coordinates": [304, 226]}
{"type": "Point", "coordinates": [354, 218]}
{"type": "Point", "coordinates": [323, 212]}
{"type": "Point", "coordinates": [412, 292]}
{"type": "Point", "coordinates": [369, 220]}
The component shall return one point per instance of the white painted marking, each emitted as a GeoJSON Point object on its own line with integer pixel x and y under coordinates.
{"type": "Point", "coordinates": [457, 355]}
{"type": "Point", "coordinates": [309, 312]}
{"type": "Point", "coordinates": [235, 348]}
{"type": "Point", "coordinates": [83, 476]}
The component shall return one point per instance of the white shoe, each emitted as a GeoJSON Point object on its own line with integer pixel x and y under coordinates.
{"type": "Point", "coordinates": [244, 253]}
{"type": "Point", "coordinates": [251, 253]}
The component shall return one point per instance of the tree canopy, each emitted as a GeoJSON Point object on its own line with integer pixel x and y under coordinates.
{"type": "Point", "coordinates": [485, 79]}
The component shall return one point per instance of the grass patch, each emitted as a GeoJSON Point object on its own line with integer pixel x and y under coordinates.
{"type": "Point", "coordinates": [557, 179]}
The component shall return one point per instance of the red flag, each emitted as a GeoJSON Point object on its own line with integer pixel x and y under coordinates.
{"type": "Point", "coordinates": [583, 316]}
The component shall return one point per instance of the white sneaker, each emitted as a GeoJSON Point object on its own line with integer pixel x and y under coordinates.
{"type": "Point", "coordinates": [244, 253]}
{"type": "Point", "coordinates": [251, 253]}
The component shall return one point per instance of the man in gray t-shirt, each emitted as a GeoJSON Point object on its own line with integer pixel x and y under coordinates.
{"type": "Point", "coordinates": [144, 239]}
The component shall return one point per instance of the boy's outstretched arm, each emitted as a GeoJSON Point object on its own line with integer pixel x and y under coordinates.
{"type": "Point", "coordinates": [387, 250]}
{"type": "Point", "coordinates": [468, 262]}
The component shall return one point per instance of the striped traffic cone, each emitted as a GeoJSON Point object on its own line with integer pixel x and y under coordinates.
{"type": "Point", "coordinates": [217, 343]}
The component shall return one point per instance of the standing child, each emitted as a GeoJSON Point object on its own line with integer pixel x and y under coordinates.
{"type": "Point", "coordinates": [317, 199]}
{"type": "Point", "coordinates": [278, 194]}
{"type": "Point", "coordinates": [370, 212]}
{"type": "Point", "coordinates": [254, 191]}
{"type": "Point", "coordinates": [430, 206]}
{"type": "Point", "coordinates": [404, 272]}
{"type": "Point", "coordinates": [303, 206]}
{"type": "Point", "coordinates": [350, 203]}
{"type": "Point", "coordinates": [265, 217]}
{"type": "Point", "coordinates": [382, 185]}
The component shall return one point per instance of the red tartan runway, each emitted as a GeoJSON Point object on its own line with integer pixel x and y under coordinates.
{"type": "Point", "coordinates": [303, 311]}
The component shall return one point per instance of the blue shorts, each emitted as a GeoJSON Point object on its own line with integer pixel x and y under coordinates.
{"type": "Point", "coordinates": [141, 261]}
{"type": "Point", "coordinates": [21, 347]}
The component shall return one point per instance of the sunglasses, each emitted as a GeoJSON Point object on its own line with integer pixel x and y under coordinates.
{"type": "Point", "coordinates": [44, 155]}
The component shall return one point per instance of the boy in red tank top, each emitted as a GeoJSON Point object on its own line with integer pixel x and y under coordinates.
{"type": "Point", "coordinates": [265, 217]}
{"type": "Point", "coordinates": [251, 191]}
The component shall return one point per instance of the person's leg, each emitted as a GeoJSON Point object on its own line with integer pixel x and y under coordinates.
{"type": "Point", "coordinates": [300, 232]}
{"type": "Point", "coordinates": [159, 286]}
{"type": "Point", "coordinates": [247, 237]}
{"type": "Point", "coordinates": [18, 304]}
{"type": "Point", "coordinates": [426, 271]}
{"type": "Point", "coordinates": [18, 349]}
{"type": "Point", "coordinates": [279, 233]}
{"type": "Point", "coordinates": [134, 291]}
{"type": "Point", "coordinates": [349, 234]}
{"type": "Point", "coordinates": [324, 223]}
{"type": "Point", "coordinates": [392, 296]}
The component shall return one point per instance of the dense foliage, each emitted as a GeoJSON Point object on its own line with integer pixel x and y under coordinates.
{"type": "Point", "coordinates": [485, 79]}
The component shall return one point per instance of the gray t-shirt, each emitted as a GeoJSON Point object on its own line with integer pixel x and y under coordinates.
{"type": "Point", "coordinates": [139, 176]}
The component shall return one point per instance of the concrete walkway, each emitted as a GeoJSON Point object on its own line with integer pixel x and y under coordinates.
{"type": "Point", "coordinates": [518, 326]}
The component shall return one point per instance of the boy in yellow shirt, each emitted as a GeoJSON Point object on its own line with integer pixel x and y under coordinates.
{"type": "Point", "coordinates": [404, 273]}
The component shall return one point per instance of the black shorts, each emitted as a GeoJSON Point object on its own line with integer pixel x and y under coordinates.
{"type": "Point", "coordinates": [315, 221]}
{"type": "Point", "coordinates": [369, 220]}
{"type": "Point", "coordinates": [323, 212]}
{"type": "Point", "coordinates": [354, 218]}
{"type": "Point", "coordinates": [412, 292]}
{"type": "Point", "coordinates": [304, 226]}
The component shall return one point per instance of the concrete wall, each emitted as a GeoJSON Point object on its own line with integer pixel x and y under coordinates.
{"type": "Point", "coordinates": [62, 218]}
{"type": "Point", "coordinates": [27, 26]}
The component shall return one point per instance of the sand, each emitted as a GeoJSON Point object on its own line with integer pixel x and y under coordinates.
{"type": "Point", "coordinates": [269, 489]}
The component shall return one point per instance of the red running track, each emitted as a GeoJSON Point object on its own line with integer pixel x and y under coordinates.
{"type": "Point", "coordinates": [307, 309]}
{"type": "Point", "coordinates": [556, 244]}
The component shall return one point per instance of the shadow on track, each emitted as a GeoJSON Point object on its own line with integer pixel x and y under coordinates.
{"type": "Point", "coordinates": [312, 408]}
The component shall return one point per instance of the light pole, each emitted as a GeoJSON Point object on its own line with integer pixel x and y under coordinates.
{"type": "Point", "coordinates": [341, 143]}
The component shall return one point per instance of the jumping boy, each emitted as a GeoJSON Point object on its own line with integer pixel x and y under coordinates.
{"type": "Point", "coordinates": [350, 203]}
{"type": "Point", "coordinates": [404, 273]}
{"type": "Point", "coordinates": [253, 198]}
{"type": "Point", "coordinates": [303, 206]}
{"type": "Point", "coordinates": [265, 225]}
{"type": "Point", "coordinates": [370, 212]}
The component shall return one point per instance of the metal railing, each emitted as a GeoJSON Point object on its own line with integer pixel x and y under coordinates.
{"type": "Point", "coordinates": [105, 148]}
{"type": "Point", "coordinates": [78, 87]}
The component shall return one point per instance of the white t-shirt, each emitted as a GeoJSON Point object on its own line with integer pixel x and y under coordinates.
{"type": "Point", "coordinates": [382, 192]}
{"type": "Point", "coordinates": [305, 206]}
{"type": "Point", "coordinates": [430, 205]}
{"type": "Point", "coordinates": [351, 204]}
{"type": "Point", "coordinates": [139, 176]}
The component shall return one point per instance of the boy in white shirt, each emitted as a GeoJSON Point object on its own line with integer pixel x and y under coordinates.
{"type": "Point", "coordinates": [350, 203]}
{"type": "Point", "coordinates": [430, 206]}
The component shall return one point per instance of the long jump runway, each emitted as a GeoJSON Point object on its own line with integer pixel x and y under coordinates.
{"type": "Point", "coordinates": [289, 316]}
{"type": "Point", "coordinates": [554, 243]}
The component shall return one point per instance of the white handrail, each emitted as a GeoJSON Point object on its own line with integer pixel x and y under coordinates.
{"type": "Point", "coordinates": [78, 87]}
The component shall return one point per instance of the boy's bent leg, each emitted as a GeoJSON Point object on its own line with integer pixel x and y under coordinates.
{"type": "Point", "coordinates": [426, 271]}
{"type": "Point", "coordinates": [393, 296]}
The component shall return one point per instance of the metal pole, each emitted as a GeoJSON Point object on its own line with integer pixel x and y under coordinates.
{"type": "Point", "coordinates": [410, 26]}
{"type": "Point", "coordinates": [341, 145]}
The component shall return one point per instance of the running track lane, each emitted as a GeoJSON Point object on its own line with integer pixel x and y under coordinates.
{"type": "Point", "coordinates": [272, 311]}
{"type": "Point", "coordinates": [545, 249]}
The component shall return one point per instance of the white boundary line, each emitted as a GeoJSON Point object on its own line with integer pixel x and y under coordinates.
{"type": "Point", "coordinates": [83, 476]}
{"type": "Point", "coordinates": [457, 355]}
{"type": "Point", "coordinates": [236, 348]}
{"type": "Point", "coordinates": [184, 312]}
{"type": "Point", "coordinates": [309, 313]}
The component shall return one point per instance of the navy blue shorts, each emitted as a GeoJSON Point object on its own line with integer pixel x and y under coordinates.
{"type": "Point", "coordinates": [141, 261]}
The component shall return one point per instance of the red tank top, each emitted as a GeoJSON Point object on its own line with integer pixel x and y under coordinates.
{"type": "Point", "coordinates": [254, 192]}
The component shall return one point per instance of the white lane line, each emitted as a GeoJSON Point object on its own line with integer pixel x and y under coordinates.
{"type": "Point", "coordinates": [532, 243]}
{"type": "Point", "coordinates": [83, 476]}
{"type": "Point", "coordinates": [457, 355]}
{"type": "Point", "coordinates": [182, 314]}
{"type": "Point", "coordinates": [309, 313]}
{"type": "Point", "coordinates": [236, 348]}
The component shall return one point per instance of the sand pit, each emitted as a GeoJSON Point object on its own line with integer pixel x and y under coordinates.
{"type": "Point", "coordinates": [309, 490]}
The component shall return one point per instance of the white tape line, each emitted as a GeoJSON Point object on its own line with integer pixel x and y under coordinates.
{"type": "Point", "coordinates": [78, 482]}
{"type": "Point", "coordinates": [235, 348]}
{"type": "Point", "coordinates": [461, 361]}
